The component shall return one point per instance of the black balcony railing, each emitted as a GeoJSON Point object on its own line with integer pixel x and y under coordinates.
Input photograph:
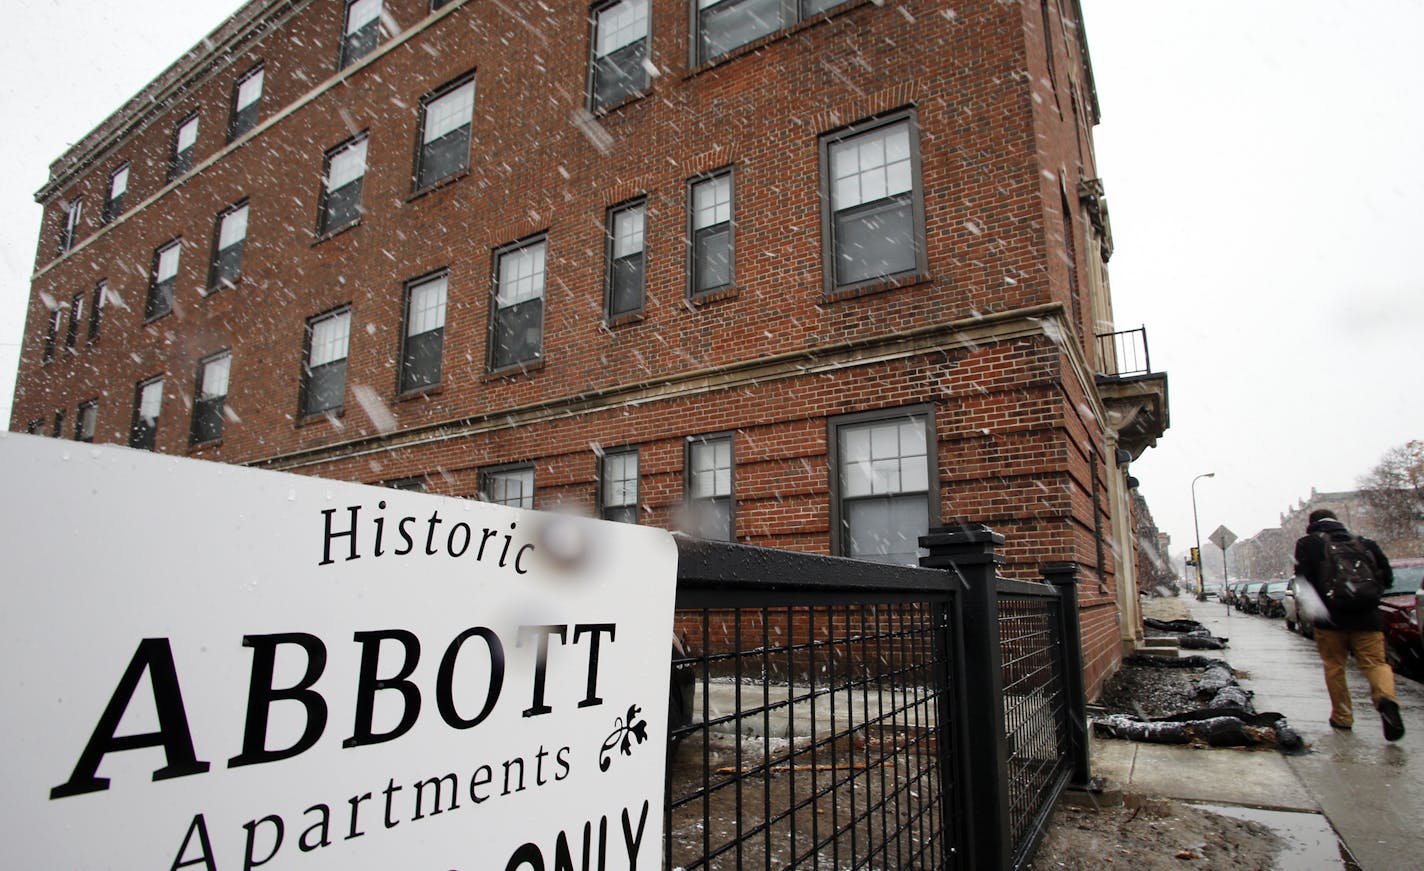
{"type": "Point", "coordinates": [1124, 354]}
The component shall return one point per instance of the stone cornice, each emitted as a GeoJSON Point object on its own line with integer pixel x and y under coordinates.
{"type": "Point", "coordinates": [196, 65]}
{"type": "Point", "coordinates": [954, 335]}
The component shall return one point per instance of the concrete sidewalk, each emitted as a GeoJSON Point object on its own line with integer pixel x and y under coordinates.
{"type": "Point", "coordinates": [1371, 791]}
{"type": "Point", "coordinates": [1251, 778]}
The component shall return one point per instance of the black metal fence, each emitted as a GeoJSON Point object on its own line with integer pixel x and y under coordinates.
{"type": "Point", "coordinates": [842, 714]}
{"type": "Point", "coordinates": [1124, 354]}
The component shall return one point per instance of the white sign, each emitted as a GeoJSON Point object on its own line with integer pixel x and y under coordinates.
{"type": "Point", "coordinates": [213, 667]}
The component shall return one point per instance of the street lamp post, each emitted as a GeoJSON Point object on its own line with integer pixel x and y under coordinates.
{"type": "Point", "coordinates": [1196, 527]}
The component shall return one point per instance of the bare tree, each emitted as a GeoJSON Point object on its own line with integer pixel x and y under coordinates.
{"type": "Point", "coordinates": [1394, 491]}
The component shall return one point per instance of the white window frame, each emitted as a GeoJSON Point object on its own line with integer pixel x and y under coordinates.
{"type": "Point", "coordinates": [864, 165]}
{"type": "Point", "coordinates": [426, 303]}
{"type": "Point", "coordinates": [710, 464]}
{"type": "Point", "coordinates": [163, 288]}
{"type": "Point", "coordinates": [345, 166]}
{"type": "Point", "coordinates": [711, 201]}
{"type": "Point", "coordinates": [328, 341]}
{"type": "Point", "coordinates": [231, 230]}
{"type": "Point", "coordinates": [618, 485]}
{"type": "Point", "coordinates": [185, 142]}
{"type": "Point", "coordinates": [358, 15]}
{"type": "Point", "coordinates": [86, 421]}
{"type": "Point", "coordinates": [446, 111]}
{"type": "Point", "coordinates": [148, 406]}
{"type": "Point", "coordinates": [616, 26]}
{"type": "Point", "coordinates": [210, 393]}
{"type": "Point", "coordinates": [512, 486]}
{"type": "Point", "coordinates": [521, 272]}
{"type": "Point", "coordinates": [69, 230]}
{"type": "Point", "coordinates": [118, 186]}
{"type": "Point", "coordinates": [878, 470]}
{"type": "Point", "coordinates": [246, 92]}
{"type": "Point", "coordinates": [627, 240]}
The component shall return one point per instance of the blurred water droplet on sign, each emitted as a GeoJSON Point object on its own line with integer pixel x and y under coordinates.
{"type": "Point", "coordinates": [563, 540]}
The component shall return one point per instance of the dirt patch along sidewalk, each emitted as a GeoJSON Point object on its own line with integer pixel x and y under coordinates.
{"type": "Point", "coordinates": [1154, 835]}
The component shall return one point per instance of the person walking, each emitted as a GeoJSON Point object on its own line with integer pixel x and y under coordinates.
{"type": "Point", "coordinates": [1349, 573]}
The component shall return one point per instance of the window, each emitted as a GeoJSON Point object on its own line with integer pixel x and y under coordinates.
{"type": "Point", "coordinates": [517, 330]}
{"type": "Point", "coordinates": [711, 218]}
{"type": "Point", "coordinates": [341, 194]}
{"type": "Point", "coordinates": [445, 133]}
{"type": "Point", "coordinates": [414, 484]}
{"type": "Point", "coordinates": [724, 25]}
{"type": "Point", "coordinates": [35, 427]}
{"type": "Point", "coordinates": [436, 4]}
{"type": "Point", "coordinates": [874, 222]}
{"type": "Point", "coordinates": [148, 402]}
{"type": "Point", "coordinates": [620, 53]}
{"type": "Point", "coordinates": [165, 279]}
{"type": "Point", "coordinates": [626, 260]}
{"type": "Point", "coordinates": [58, 431]}
{"type": "Point", "coordinates": [101, 292]}
{"type": "Point", "coordinates": [208, 398]}
{"type": "Point", "coordinates": [246, 97]}
{"type": "Point", "coordinates": [710, 504]}
{"type": "Point", "coordinates": [72, 211]}
{"type": "Point", "coordinates": [324, 372]}
{"type": "Point", "coordinates": [185, 137]}
{"type": "Point", "coordinates": [118, 186]}
{"type": "Point", "coordinates": [52, 332]}
{"type": "Point", "coordinates": [881, 494]}
{"type": "Point", "coordinates": [76, 316]}
{"type": "Point", "coordinates": [363, 30]}
{"type": "Point", "coordinates": [86, 421]}
{"type": "Point", "coordinates": [618, 486]}
{"type": "Point", "coordinates": [508, 485]}
{"type": "Point", "coordinates": [228, 239]}
{"type": "Point", "coordinates": [424, 341]}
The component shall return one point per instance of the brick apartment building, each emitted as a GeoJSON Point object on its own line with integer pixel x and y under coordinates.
{"type": "Point", "coordinates": [816, 275]}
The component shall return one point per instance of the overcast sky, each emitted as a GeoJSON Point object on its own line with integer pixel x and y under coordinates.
{"type": "Point", "coordinates": [1261, 162]}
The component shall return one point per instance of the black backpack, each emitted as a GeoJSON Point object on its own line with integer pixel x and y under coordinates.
{"type": "Point", "coordinates": [1350, 580]}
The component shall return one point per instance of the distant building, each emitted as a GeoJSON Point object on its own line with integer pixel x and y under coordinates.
{"type": "Point", "coordinates": [1270, 552]}
{"type": "Point", "coordinates": [821, 279]}
{"type": "Point", "coordinates": [1154, 564]}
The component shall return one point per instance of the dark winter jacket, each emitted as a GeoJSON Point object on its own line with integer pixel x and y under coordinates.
{"type": "Point", "coordinates": [1310, 564]}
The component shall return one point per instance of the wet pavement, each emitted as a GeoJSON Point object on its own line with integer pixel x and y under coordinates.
{"type": "Point", "coordinates": [1371, 790]}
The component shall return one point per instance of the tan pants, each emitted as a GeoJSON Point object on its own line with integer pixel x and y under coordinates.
{"type": "Point", "coordinates": [1335, 646]}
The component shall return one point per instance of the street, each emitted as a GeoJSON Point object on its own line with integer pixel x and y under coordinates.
{"type": "Point", "coordinates": [1372, 791]}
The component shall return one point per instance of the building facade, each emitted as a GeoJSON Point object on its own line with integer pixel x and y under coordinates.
{"type": "Point", "coordinates": [818, 275]}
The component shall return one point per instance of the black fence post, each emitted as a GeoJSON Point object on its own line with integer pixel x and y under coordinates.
{"type": "Point", "coordinates": [1064, 578]}
{"type": "Point", "coordinates": [970, 551]}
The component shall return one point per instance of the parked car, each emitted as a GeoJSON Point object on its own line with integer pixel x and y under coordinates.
{"type": "Point", "coordinates": [1233, 592]}
{"type": "Point", "coordinates": [1268, 599]}
{"type": "Point", "coordinates": [680, 689]}
{"type": "Point", "coordinates": [1400, 608]}
{"type": "Point", "coordinates": [1247, 600]}
{"type": "Point", "coordinates": [1238, 592]}
{"type": "Point", "coordinates": [1296, 620]}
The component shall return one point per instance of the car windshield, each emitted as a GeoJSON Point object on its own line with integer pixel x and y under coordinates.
{"type": "Point", "coordinates": [1408, 579]}
{"type": "Point", "coordinates": [1276, 586]}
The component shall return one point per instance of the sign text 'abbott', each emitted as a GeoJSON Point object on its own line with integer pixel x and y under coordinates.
{"type": "Point", "coordinates": [316, 675]}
